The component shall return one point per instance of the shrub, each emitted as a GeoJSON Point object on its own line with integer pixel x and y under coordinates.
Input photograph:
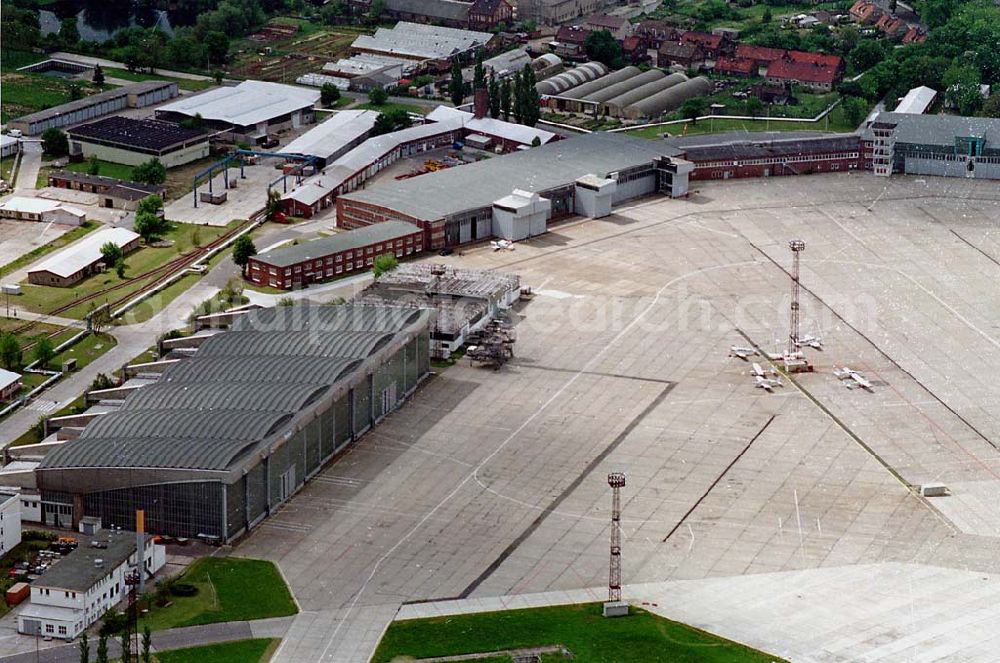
{"type": "Point", "coordinates": [183, 589]}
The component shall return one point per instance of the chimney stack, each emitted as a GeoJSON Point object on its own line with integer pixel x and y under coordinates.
{"type": "Point", "coordinates": [481, 103]}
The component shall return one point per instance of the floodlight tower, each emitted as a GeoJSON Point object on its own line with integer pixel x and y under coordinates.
{"type": "Point", "coordinates": [797, 246]}
{"type": "Point", "coordinates": [615, 607]}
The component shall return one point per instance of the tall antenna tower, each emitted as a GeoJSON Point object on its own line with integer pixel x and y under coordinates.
{"type": "Point", "coordinates": [797, 246]}
{"type": "Point", "coordinates": [615, 607]}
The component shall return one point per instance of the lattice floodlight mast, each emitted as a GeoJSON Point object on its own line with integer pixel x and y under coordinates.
{"type": "Point", "coordinates": [617, 481]}
{"type": "Point", "coordinates": [797, 246]}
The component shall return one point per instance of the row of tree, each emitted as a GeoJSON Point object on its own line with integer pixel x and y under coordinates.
{"type": "Point", "coordinates": [11, 352]}
{"type": "Point", "coordinates": [508, 98]}
{"type": "Point", "coordinates": [145, 653]}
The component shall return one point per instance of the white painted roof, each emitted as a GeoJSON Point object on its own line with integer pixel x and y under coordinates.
{"type": "Point", "coordinates": [310, 192]}
{"type": "Point", "coordinates": [246, 104]}
{"type": "Point", "coordinates": [332, 135]}
{"type": "Point", "coordinates": [37, 206]}
{"type": "Point", "coordinates": [6, 140]}
{"type": "Point", "coordinates": [7, 378]}
{"type": "Point", "coordinates": [917, 100]}
{"type": "Point", "coordinates": [487, 125]}
{"type": "Point", "coordinates": [83, 253]}
{"type": "Point", "coordinates": [418, 40]}
{"type": "Point", "coordinates": [366, 63]}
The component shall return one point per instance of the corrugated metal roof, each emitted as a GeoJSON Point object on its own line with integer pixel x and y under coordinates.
{"type": "Point", "coordinates": [342, 241]}
{"type": "Point", "coordinates": [143, 87]}
{"type": "Point", "coordinates": [418, 40]}
{"type": "Point", "coordinates": [222, 396]}
{"type": "Point", "coordinates": [85, 252]}
{"type": "Point", "coordinates": [248, 103]}
{"type": "Point", "coordinates": [262, 370]}
{"type": "Point", "coordinates": [352, 344]}
{"type": "Point", "coordinates": [328, 318]}
{"type": "Point", "coordinates": [328, 137]}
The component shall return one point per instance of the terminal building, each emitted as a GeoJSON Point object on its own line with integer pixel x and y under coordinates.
{"type": "Point", "coordinates": [235, 422]}
{"type": "Point", "coordinates": [580, 175]}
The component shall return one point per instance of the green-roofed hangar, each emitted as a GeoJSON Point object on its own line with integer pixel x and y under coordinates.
{"type": "Point", "coordinates": [237, 424]}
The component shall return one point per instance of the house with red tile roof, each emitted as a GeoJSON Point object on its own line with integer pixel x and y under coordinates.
{"type": "Point", "coordinates": [634, 49]}
{"type": "Point", "coordinates": [865, 12]}
{"type": "Point", "coordinates": [891, 26]}
{"type": "Point", "coordinates": [730, 66]}
{"type": "Point", "coordinates": [654, 33]}
{"type": "Point", "coordinates": [684, 55]}
{"type": "Point", "coordinates": [914, 36]}
{"type": "Point", "coordinates": [762, 55]}
{"type": "Point", "coordinates": [816, 74]}
{"type": "Point", "coordinates": [711, 45]}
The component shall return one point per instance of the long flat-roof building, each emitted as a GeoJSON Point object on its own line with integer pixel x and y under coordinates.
{"type": "Point", "coordinates": [112, 192]}
{"type": "Point", "coordinates": [79, 260]}
{"type": "Point", "coordinates": [136, 95]}
{"type": "Point", "coordinates": [250, 110]}
{"type": "Point", "coordinates": [10, 384]}
{"type": "Point", "coordinates": [224, 437]}
{"type": "Point", "coordinates": [334, 137]}
{"type": "Point", "coordinates": [129, 141]}
{"type": "Point", "coordinates": [458, 205]}
{"type": "Point", "coordinates": [328, 258]}
{"type": "Point", "coordinates": [420, 42]}
{"type": "Point", "coordinates": [9, 146]}
{"type": "Point", "coordinates": [22, 208]}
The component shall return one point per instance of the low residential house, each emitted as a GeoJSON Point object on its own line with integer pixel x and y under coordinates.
{"type": "Point", "coordinates": [653, 33]}
{"type": "Point", "coordinates": [10, 385]}
{"type": "Point", "coordinates": [489, 14]}
{"type": "Point", "coordinates": [738, 67]}
{"type": "Point", "coordinates": [634, 50]}
{"type": "Point", "coordinates": [112, 193]}
{"type": "Point", "coordinates": [711, 45]}
{"type": "Point", "coordinates": [671, 54]}
{"type": "Point", "coordinates": [78, 589]}
{"type": "Point", "coordinates": [815, 71]}
{"type": "Point", "coordinates": [761, 55]}
{"type": "Point", "coordinates": [914, 35]}
{"type": "Point", "coordinates": [570, 40]}
{"type": "Point", "coordinates": [892, 26]}
{"type": "Point", "coordinates": [618, 26]}
{"type": "Point", "coordinates": [865, 12]}
{"type": "Point", "coordinates": [81, 259]}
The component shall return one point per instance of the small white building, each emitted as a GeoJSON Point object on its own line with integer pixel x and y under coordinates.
{"type": "Point", "coordinates": [594, 196]}
{"type": "Point", "coordinates": [10, 384]}
{"type": "Point", "coordinates": [21, 208]}
{"type": "Point", "coordinates": [10, 521]}
{"type": "Point", "coordinates": [520, 215]}
{"type": "Point", "coordinates": [79, 588]}
{"type": "Point", "coordinates": [9, 146]}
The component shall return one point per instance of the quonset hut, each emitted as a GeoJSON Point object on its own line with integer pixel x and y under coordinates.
{"type": "Point", "coordinates": [231, 432]}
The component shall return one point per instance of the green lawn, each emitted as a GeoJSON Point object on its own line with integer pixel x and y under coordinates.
{"type": "Point", "coordinates": [386, 107]}
{"type": "Point", "coordinates": [25, 93]}
{"type": "Point", "coordinates": [182, 83]}
{"type": "Point", "coordinates": [43, 299]}
{"type": "Point", "coordinates": [107, 169]}
{"type": "Point", "coordinates": [229, 589]}
{"type": "Point", "coordinates": [836, 123]}
{"type": "Point", "coordinates": [639, 638]}
{"type": "Point", "coordinates": [157, 302]}
{"type": "Point", "coordinates": [86, 350]}
{"type": "Point", "coordinates": [6, 166]}
{"type": "Point", "coordinates": [57, 243]}
{"type": "Point", "coordinates": [740, 17]}
{"type": "Point", "coordinates": [239, 651]}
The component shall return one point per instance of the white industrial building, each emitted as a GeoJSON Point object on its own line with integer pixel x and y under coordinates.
{"type": "Point", "coordinates": [10, 521]}
{"type": "Point", "coordinates": [520, 215]}
{"type": "Point", "coordinates": [21, 208]}
{"type": "Point", "coordinates": [421, 42]}
{"type": "Point", "coordinates": [9, 146]}
{"type": "Point", "coordinates": [917, 100]}
{"type": "Point", "coordinates": [250, 110]}
{"type": "Point", "coordinates": [78, 589]}
{"type": "Point", "coordinates": [81, 259]}
{"type": "Point", "coordinates": [335, 137]}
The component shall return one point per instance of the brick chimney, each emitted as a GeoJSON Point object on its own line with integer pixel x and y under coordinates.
{"type": "Point", "coordinates": [481, 103]}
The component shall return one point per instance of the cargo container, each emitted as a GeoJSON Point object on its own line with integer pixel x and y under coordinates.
{"type": "Point", "coordinates": [17, 593]}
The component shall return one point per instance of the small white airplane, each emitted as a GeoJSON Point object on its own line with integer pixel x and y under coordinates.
{"type": "Point", "coordinates": [742, 352]}
{"type": "Point", "coordinates": [757, 371]}
{"type": "Point", "coordinates": [502, 245]}
{"type": "Point", "coordinates": [767, 384]}
{"type": "Point", "coordinates": [810, 341]}
{"type": "Point", "coordinates": [856, 379]}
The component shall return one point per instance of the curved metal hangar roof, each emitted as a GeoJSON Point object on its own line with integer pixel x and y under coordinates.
{"type": "Point", "coordinates": [240, 388]}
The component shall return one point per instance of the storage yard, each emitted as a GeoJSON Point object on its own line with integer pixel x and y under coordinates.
{"type": "Point", "coordinates": [498, 479]}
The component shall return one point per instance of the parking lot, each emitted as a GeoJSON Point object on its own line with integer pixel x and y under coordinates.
{"type": "Point", "coordinates": [20, 237]}
{"type": "Point", "coordinates": [494, 483]}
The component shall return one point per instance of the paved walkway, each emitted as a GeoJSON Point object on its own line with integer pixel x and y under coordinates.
{"type": "Point", "coordinates": [31, 163]}
{"type": "Point", "coordinates": [87, 59]}
{"type": "Point", "coordinates": [177, 638]}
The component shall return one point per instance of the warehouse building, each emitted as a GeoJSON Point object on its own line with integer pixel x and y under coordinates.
{"type": "Point", "coordinates": [328, 258]}
{"type": "Point", "coordinates": [136, 95]}
{"type": "Point", "coordinates": [941, 145]}
{"type": "Point", "coordinates": [561, 82]}
{"type": "Point", "coordinates": [81, 587]}
{"type": "Point", "coordinates": [132, 142]}
{"type": "Point", "coordinates": [423, 43]}
{"type": "Point", "coordinates": [20, 208]}
{"type": "Point", "coordinates": [616, 106]}
{"type": "Point", "coordinates": [10, 385]}
{"type": "Point", "coordinates": [330, 140]}
{"type": "Point", "coordinates": [460, 205]}
{"type": "Point", "coordinates": [249, 111]}
{"type": "Point", "coordinates": [229, 434]}
{"type": "Point", "coordinates": [113, 193]}
{"type": "Point", "coordinates": [667, 100]}
{"type": "Point", "coordinates": [917, 100]}
{"type": "Point", "coordinates": [9, 146]}
{"type": "Point", "coordinates": [81, 259]}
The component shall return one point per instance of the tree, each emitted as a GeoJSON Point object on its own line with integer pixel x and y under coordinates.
{"type": "Point", "coordinates": [602, 46]}
{"type": "Point", "coordinates": [479, 73]}
{"type": "Point", "coordinates": [98, 77]}
{"type": "Point", "coordinates": [456, 86]}
{"type": "Point", "coordinates": [54, 142]}
{"type": "Point", "coordinates": [855, 110]}
{"type": "Point", "coordinates": [126, 643]}
{"type": "Point", "coordinates": [847, 38]}
{"type": "Point", "coordinates": [384, 263]}
{"type": "Point", "coordinates": [991, 108]}
{"type": "Point", "coordinates": [892, 6]}
{"type": "Point", "coordinates": [217, 76]}
{"type": "Point", "coordinates": [329, 94]}
{"type": "Point", "coordinates": [850, 89]}
{"type": "Point", "coordinates": [765, 17]}
{"type": "Point", "coordinates": [377, 96]}
{"type": "Point", "coordinates": [389, 121]}
{"type": "Point", "coordinates": [10, 351]}
{"type": "Point", "coordinates": [532, 102]}
{"type": "Point", "coordinates": [961, 84]}
{"type": "Point", "coordinates": [216, 47]}
{"type": "Point", "coordinates": [69, 35]}
{"type": "Point", "coordinates": [505, 93]}
{"type": "Point", "coordinates": [150, 204]}
{"type": "Point", "coordinates": [75, 91]}
{"type": "Point", "coordinates": [84, 648]}
{"type": "Point", "coordinates": [243, 248]}
{"type": "Point", "coordinates": [150, 226]}
{"type": "Point", "coordinates": [120, 267]}
{"type": "Point", "coordinates": [754, 106]}
{"type": "Point", "coordinates": [150, 172]}
{"type": "Point", "coordinates": [94, 165]}
{"type": "Point", "coordinates": [99, 317]}
{"type": "Point", "coordinates": [693, 108]}
{"type": "Point", "coordinates": [494, 91]}
{"type": "Point", "coordinates": [110, 253]}
{"type": "Point", "coordinates": [375, 12]}
{"type": "Point", "coordinates": [147, 644]}
{"type": "Point", "coordinates": [866, 55]}
{"type": "Point", "coordinates": [517, 100]}
{"type": "Point", "coordinates": [102, 649]}
{"type": "Point", "coordinates": [273, 205]}
{"type": "Point", "coordinates": [101, 381]}
{"type": "Point", "coordinates": [43, 351]}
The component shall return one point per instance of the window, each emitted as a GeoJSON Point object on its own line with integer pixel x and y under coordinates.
{"type": "Point", "coordinates": [340, 268]}
{"type": "Point", "coordinates": [288, 271]}
{"type": "Point", "coordinates": [350, 265]}
{"type": "Point", "coordinates": [298, 269]}
{"type": "Point", "coordinates": [62, 630]}
{"type": "Point", "coordinates": [370, 261]}
{"type": "Point", "coordinates": [340, 258]}
{"type": "Point", "coordinates": [49, 628]}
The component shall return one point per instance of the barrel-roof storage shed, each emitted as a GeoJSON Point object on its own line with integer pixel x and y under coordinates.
{"type": "Point", "coordinates": [669, 100]}
{"type": "Point", "coordinates": [576, 76]}
{"type": "Point", "coordinates": [616, 106]}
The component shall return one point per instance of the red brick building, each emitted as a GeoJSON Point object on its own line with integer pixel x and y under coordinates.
{"type": "Point", "coordinates": [761, 55]}
{"type": "Point", "coordinates": [739, 67]}
{"type": "Point", "coordinates": [775, 158]}
{"type": "Point", "coordinates": [816, 71]}
{"type": "Point", "coordinates": [654, 33]}
{"type": "Point", "coordinates": [683, 55]}
{"type": "Point", "coordinates": [328, 258]}
{"type": "Point", "coordinates": [488, 14]}
{"type": "Point", "coordinates": [711, 45]}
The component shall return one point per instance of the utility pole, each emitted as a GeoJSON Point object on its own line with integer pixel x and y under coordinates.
{"type": "Point", "coordinates": [615, 607]}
